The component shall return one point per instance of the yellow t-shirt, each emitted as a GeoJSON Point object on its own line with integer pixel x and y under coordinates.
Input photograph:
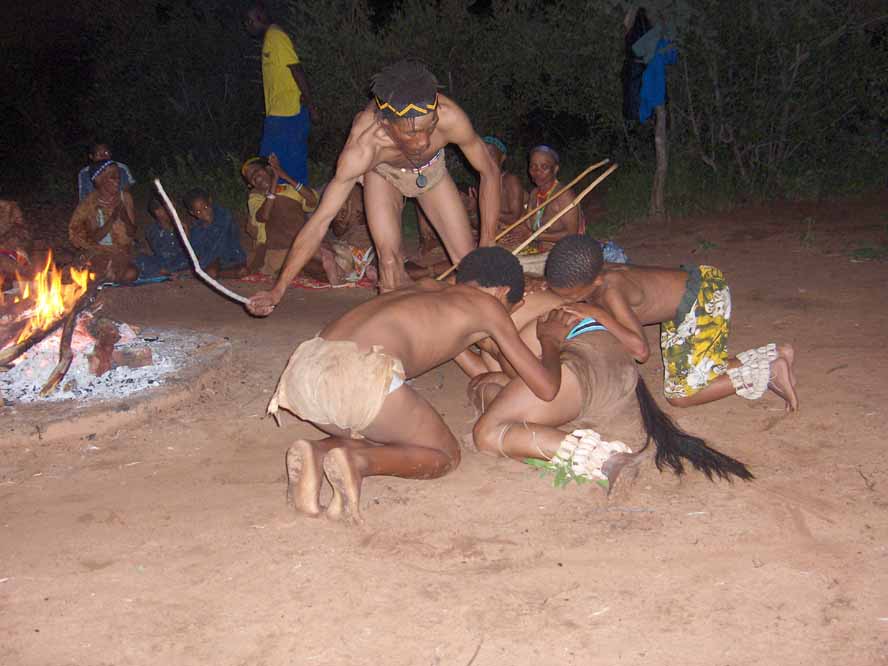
{"type": "Point", "coordinates": [257, 199]}
{"type": "Point", "coordinates": [282, 95]}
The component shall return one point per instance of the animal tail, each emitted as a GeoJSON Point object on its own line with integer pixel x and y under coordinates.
{"type": "Point", "coordinates": [673, 443]}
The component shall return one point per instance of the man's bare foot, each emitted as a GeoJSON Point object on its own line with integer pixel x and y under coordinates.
{"type": "Point", "coordinates": [781, 383]}
{"type": "Point", "coordinates": [346, 482]}
{"type": "Point", "coordinates": [303, 478]}
{"type": "Point", "coordinates": [787, 353]}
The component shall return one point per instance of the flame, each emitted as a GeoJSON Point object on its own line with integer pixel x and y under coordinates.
{"type": "Point", "coordinates": [53, 299]}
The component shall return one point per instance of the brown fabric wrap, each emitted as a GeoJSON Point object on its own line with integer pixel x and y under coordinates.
{"type": "Point", "coordinates": [333, 382]}
{"type": "Point", "coordinates": [404, 180]}
{"type": "Point", "coordinates": [607, 378]}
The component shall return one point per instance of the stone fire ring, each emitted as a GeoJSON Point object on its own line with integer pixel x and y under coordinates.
{"type": "Point", "coordinates": [74, 420]}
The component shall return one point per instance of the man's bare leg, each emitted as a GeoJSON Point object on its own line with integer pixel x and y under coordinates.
{"type": "Point", "coordinates": [408, 439]}
{"type": "Point", "coordinates": [782, 383]}
{"type": "Point", "coordinates": [519, 425]}
{"type": "Point", "coordinates": [383, 204]}
{"type": "Point", "coordinates": [446, 213]}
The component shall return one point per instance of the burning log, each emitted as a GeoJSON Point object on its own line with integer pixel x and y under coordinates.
{"type": "Point", "coordinates": [65, 356]}
{"type": "Point", "coordinates": [12, 352]}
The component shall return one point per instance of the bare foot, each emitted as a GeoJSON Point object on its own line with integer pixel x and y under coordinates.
{"type": "Point", "coordinates": [303, 478]}
{"type": "Point", "coordinates": [346, 482]}
{"type": "Point", "coordinates": [787, 353]}
{"type": "Point", "coordinates": [781, 383]}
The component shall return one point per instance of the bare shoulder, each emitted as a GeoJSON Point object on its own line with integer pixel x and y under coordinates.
{"type": "Point", "coordinates": [453, 122]}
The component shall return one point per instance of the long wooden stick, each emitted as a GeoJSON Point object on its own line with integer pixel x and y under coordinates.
{"type": "Point", "coordinates": [530, 213]}
{"type": "Point", "coordinates": [552, 198]}
{"type": "Point", "coordinates": [197, 269]}
{"type": "Point", "coordinates": [572, 204]}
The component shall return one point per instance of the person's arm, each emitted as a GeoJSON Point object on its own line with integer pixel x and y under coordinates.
{"type": "Point", "coordinates": [298, 73]}
{"type": "Point", "coordinates": [310, 196]}
{"type": "Point", "coordinates": [354, 161]}
{"type": "Point", "coordinates": [460, 132]}
{"type": "Point", "coordinates": [617, 317]}
{"type": "Point", "coordinates": [542, 376]}
{"type": "Point", "coordinates": [471, 363]}
{"type": "Point", "coordinates": [127, 213]}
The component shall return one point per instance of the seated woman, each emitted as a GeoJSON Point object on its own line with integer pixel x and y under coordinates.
{"type": "Point", "coordinates": [103, 225]}
{"type": "Point", "coordinates": [278, 211]}
{"type": "Point", "coordinates": [15, 244]}
{"type": "Point", "coordinates": [543, 168]}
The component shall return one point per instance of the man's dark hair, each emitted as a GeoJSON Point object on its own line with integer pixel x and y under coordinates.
{"type": "Point", "coordinates": [493, 267]}
{"type": "Point", "coordinates": [193, 195]}
{"type": "Point", "coordinates": [154, 203]}
{"type": "Point", "coordinates": [96, 143]}
{"type": "Point", "coordinates": [403, 83]}
{"type": "Point", "coordinates": [574, 261]}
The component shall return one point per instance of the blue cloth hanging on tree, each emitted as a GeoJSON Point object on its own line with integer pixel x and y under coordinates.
{"type": "Point", "coordinates": [653, 81]}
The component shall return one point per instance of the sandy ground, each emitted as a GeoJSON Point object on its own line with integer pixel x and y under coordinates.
{"type": "Point", "coordinates": [169, 542]}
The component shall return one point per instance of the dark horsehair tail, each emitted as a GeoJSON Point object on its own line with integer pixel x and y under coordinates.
{"type": "Point", "coordinates": [673, 443]}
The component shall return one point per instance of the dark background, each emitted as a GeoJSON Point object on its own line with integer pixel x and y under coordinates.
{"type": "Point", "coordinates": [768, 99]}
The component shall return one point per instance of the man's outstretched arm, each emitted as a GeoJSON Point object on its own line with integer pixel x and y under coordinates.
{"type": "Point", "coordinates": [353, 162]}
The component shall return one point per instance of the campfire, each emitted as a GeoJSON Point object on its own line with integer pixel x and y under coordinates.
{"type": "Point", "coordinates": [62, 305]}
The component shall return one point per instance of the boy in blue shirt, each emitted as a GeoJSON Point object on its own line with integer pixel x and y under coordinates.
{"type": "Point", "coordinates": [168, 252]}
{"type": "Point", "coordinates": [214, 236]}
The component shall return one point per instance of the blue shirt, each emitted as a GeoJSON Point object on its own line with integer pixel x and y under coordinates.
{"type": "Point", "coordinates": [218, 241]}
{"type": "Point", "coordinates": [167, 247]}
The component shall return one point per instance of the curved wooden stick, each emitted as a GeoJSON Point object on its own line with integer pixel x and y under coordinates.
{"type": "Point", "coordinates": [572, 204]}
{"type": "Point", "coordinates": [530, 213]}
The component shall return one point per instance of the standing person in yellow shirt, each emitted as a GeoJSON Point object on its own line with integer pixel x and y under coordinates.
{"type": "Point", "coordinates": [289, 109]}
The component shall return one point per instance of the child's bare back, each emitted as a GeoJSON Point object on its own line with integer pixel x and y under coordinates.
{"type": "Point", "coordinates": [653, 292]}
{"type": "Point", "coordinates": [424, 325]}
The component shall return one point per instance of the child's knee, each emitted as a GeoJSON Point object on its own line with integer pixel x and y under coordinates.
{"type": "Point", "coordinates": [486, 435]}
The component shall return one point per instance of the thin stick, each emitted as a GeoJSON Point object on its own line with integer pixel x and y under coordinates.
{"type": "Point", "coordinates": [530, 213]}
{"type": "Point", "coordinates": [215, 284]}
{"type": "Point", "coordinates": [561, 213]}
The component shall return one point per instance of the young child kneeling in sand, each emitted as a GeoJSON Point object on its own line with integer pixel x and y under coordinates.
{"type": "Point", "coordinates": [693, 308]}
{"type": "Point", "coordinates": [349, 381]}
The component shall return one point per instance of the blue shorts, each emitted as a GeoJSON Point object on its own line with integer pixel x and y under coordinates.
{"type": "Point", "coordinates": [287, 137]}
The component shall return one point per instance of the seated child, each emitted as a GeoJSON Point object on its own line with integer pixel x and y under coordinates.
{"type": "Point", "coordinates": [349, 381]}
{"type": "Point", "coordinates": [214, 236]}
{"type": "Point", "coordinates": [98, 152]}
{"type": "Point", "coordinates": [600, 389]}
{"type": "Point", "coordinates": [693, 308]}
{"type": "Point", "coordinates": [15, 243]}
{"type": "Point", "coordinates": [103, 225]}
{"type": "Point", "coordinates": [278, 211]}
{"type": "Point", "coordinates": [168, 254]}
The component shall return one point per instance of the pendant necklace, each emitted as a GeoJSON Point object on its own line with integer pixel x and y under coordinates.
{"type": "Point", "coordinates": [421, 180]}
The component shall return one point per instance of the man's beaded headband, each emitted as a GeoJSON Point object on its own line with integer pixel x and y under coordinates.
{"type": "Point", "coordinates": [410, 110]}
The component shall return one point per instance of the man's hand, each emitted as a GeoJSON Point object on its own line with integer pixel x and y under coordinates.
{"type": "Point", "coordinates": [262, 303]}
{"type": "Point", "coordinates": [555, 326]}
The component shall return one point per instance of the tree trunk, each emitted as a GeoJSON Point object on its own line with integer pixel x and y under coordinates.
{"type": "Point", "coordinates": [658, 207]}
